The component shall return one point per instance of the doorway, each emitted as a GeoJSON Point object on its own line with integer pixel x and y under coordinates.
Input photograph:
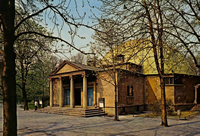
{"type": "Point", "coordinates": [77, 96]}
{"type": "Point", "coordinates": [90, 97]}
{"type": "Point", "coordinates": [67, 100]}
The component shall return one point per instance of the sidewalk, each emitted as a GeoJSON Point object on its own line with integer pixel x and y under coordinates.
{"type": "Point", "coordinates": [31, 123]}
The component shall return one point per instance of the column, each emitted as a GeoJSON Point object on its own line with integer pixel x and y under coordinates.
{"type": "Point", "coordinates": [72, 102]}
{"type": "Point", "coordinates": [51, 93]}
{"type": "Point", "coordinates": [195, 97]}
{"type": "Point", "coordinates": [94, 94]}
{"type": "Point", "coordinates": [84, 92]}
{"type": "Point", "coordinates": [61, 93]}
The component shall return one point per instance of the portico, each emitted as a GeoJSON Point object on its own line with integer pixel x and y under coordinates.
{"type": "Point", "coordinates": [73, 86]}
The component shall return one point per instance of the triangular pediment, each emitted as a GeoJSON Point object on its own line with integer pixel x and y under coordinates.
{"type": "Point", "coordinates": [67, 68]}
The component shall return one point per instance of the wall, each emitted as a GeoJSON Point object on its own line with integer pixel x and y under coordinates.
{"type": "Point", "coordinates": [189, 83]}
{"type": "Point", "coordinates": [153, 91]}
{"type": "Point", "coordinates": [105, 89]}
{"type": "Point", "coordinates": [128, 79]}
{"type": "Point", "coordinates": [56, 89]}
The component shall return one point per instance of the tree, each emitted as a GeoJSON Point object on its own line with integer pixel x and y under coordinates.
{"type": "Point", "coordinates": [28, 50]}
{"type": "Point", "coordinates": [9, 26]}
{"type": "Point", "coordinates": [160, 66]}
{"type": "Point", "coordinates": [164, 23]}
{"type": "Point", "coordinates": [108, 39]}
{"type": "Point", "coordinates": [183, 27]}
{"type": "Point", "coordinates": [79, 58]}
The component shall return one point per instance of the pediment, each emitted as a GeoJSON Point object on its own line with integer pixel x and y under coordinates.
{"type": "Point", "coordinates": [67, 68]}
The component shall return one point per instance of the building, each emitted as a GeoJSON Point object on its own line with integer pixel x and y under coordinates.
{"type": "Point", "coordinates": [80, 86]}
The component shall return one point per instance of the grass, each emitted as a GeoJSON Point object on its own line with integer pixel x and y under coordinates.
{"type": "Point", "coordinates": [184, 115]}
{"type": "Point", "coordinates": [30, 106]}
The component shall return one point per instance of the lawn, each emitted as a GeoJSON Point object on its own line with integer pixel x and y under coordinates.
{"type": "Point", "coordinates": [30, 106]}
{"type": "Point", "coordinates": [184, 115]}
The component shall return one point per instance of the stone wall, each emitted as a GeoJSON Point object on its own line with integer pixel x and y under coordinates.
{"type": "Point", "coordinates": [105, 89]}
{"type": "Point", "coordinates": [127, 83]}
{"type": "Point", "coordinates": [153, 91]}
{"type": "Point", "coordinates": [56, 89]}
{"type": "Point", "coordinates": [189, 83]}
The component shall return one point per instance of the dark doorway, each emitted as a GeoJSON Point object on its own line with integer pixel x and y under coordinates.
{"type": "Point", "coordinates": [198, 95]}
{"type": "Point", "coordinates": [77, 96]}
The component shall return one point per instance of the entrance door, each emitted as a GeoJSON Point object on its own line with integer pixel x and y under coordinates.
{"type": "Point", "coordinates": [77, 96]}
{"type": "Point", "coordinates": [67, 97]}
{"type": "Point", "coordinates": [198, 95]}
{"type": "Point", "coordinates": [90, 97]}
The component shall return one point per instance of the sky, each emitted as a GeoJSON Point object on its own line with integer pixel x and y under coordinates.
{"type": "Point", "coordinates": [82, 8]}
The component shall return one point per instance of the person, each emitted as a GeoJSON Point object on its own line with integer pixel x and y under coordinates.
{"type": "Point", "coordinates": [36, 104]}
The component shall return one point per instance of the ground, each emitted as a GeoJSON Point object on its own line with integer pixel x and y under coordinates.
{"type": "Point", "coordinates": [31, 123]}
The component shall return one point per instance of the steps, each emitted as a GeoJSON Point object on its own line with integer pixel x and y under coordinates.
{"type": "Point", "coordinates": [72, 111]}
{"type": "Point", "coordinates": [94, 112]}
{"type": "Point", "coordinates": [196, 108]}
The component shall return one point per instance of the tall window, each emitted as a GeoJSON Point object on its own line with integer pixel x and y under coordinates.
{"type": "Point", "coordinates": [130, 91]}
{"type": "Point", "coordinates": [169, 80]}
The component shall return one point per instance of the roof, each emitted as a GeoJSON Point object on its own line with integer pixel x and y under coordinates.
{"type": "Point", "coordinates": [78, 66]}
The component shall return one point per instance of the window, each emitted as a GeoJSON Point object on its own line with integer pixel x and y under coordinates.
{"type": "Point", "coordinates": [130, 91]}
{"type": "Point", "coordinates": [120, 58]}
{"type": "Point", "coordinates": [169, 80]}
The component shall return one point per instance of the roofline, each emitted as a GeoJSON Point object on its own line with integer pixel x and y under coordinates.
{"type": "Point", "coordinates": [118, 64]}
{"type": "Point", "coordinates": [172, 74]}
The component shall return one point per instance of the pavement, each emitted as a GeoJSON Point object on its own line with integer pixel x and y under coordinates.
{"type": "Point", "coordinates": [32, 123]}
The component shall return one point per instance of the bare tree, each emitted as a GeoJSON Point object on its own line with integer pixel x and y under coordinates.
{"type": "Point", "coordinates": [110, 48]}
{"type": "Point", "coordinates": [183, 27]}
{"type": "Point", "coordinates": [9, 25]}
{"type": "Point", "coordinates": [78, 58]}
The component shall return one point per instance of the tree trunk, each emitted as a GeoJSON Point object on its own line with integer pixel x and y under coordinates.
{"type": "Point", "coordinates": [160, 69]}
{"type": "Point", "coordinates": [23, 80]}
{"type": "Point", "coordinates": [24, 96]}
{"type": "Point", "coordinates": [116, 117]}
{"type": "Point", "coordinates": [163, 103]}
{"type": "Point", "coordinates": [7, 11]}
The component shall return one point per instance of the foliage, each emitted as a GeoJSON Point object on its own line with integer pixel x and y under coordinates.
{"type": "Point", "coordinates": [156, 106]}
{"type": "Point", "coordinates": [24, 11]}
{"type": "Point", "coordinates": [37, 81]}
{"type": "Point", "coordinates": [79, 58]}
{"type": "Point", "coordinates": [30, 105]}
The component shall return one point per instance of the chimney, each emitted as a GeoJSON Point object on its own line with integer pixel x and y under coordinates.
{"type": "Point", "coordinates": [91, 63]}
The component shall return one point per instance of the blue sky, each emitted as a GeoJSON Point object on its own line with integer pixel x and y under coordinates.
{"type": "Point", "coordinates": [82, 31]}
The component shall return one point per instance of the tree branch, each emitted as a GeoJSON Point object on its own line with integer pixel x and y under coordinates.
{"type": "Point", "coordinates": [52, 37]}
{"type": "Point", "coordinates": [22, 21]}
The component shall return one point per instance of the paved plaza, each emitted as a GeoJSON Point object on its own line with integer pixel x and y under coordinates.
{"type": "Point", "coordinates": [31, 123]}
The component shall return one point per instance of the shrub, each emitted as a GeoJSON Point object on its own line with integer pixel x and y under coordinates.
{"type": "Point", "coordinates": [156, 106]}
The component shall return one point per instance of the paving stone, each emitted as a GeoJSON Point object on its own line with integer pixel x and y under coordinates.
{"type": "Point", "coordinates": [32, 123]}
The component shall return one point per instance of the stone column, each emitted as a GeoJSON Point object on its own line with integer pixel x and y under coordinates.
{"type": "Point", "coordinates": [72, 100]}
{"type": "Point", "coordinates": [195, 97]}
{"type": "Point", "coordinates": [51, 93]}
{"type": "Point", "coordinates": [61, 93]}
{"type": "Point", "coordinates": [84, 92]}
{"type": "Point", "coordinates": [94, 94]}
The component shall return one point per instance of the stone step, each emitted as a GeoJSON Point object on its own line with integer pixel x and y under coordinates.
{"type": "Point", "coordinates": [73, 111]}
